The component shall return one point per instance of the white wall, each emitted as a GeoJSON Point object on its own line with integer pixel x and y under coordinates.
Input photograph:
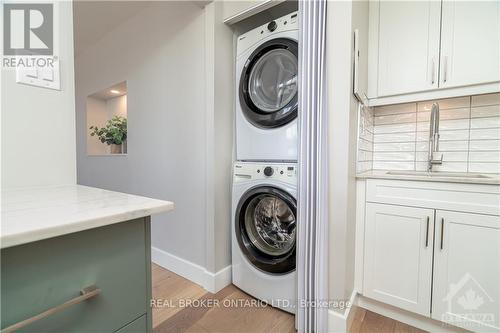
{"type": "Point", "coordinates": [38, 125]}
{"type": "Point", "coordinates": [343, 18]}
{"type": "Point", "coordinates": [96, 116]}
{"type": "Point", "coordinates": [117, 106]}
{"type": "Point", "coordinates": [160, 53]}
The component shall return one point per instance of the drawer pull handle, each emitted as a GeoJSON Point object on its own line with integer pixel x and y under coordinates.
{"type": "Point", "coordinates": [442, 232]}
{"type": "Point", "coordinates": [427, 233]}
{"type": "Point", "coordinates": [85, 294]}
{"type": "Point", "coordinates": [445, 69]}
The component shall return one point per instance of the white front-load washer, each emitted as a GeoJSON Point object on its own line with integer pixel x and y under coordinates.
{"type": "Point", "coordinates": [264, 210]}
{"type": "Point", "coordinates": [267, 87]}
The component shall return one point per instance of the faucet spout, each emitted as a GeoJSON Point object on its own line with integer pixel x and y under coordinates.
{"type": "Point", "coordinates": [434, 138]}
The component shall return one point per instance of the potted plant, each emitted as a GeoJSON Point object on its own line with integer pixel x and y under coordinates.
{"type": "Point", "coordinates": [113, 134]}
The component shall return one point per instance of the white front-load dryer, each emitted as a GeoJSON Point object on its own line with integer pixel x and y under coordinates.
{"type": "Point", "coordinates": [264, 210]}
{"type": "Point", "coordinates": [267, 89]}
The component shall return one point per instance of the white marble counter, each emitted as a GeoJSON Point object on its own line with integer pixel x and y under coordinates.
{"type": "Point", "coordinates": [446, 177]}
{"type": "Point", "coordinates": [32, 214]}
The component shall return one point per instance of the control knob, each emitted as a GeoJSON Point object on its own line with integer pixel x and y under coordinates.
{"type": "Point", "coordinates": [268, 171]}
{"type": "Point", "coordinates": [272, 26]}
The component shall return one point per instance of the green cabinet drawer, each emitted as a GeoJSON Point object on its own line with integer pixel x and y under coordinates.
{"type": "Point", "coordinates": [40, 275]}
{"type": "Point", "coordinates": [137, 326]}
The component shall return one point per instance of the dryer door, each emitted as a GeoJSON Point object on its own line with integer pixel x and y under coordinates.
{"type": "Point", "coordinates": [266, 229]}
{"type": "Point", "coordinates": [268, 84]}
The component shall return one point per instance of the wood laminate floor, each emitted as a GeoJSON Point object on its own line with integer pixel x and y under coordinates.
{"type": "Point", "coordinates": [183, 306]}
{"type": "Point", "coordinates": [365, 321]}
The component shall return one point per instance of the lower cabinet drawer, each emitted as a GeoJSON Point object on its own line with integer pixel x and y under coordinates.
{"type": "Point", "coordinates": [470, 198]}
{"type": "Point", "coordinates": [137, 326]}
{"type": "Point", "coordinates": [38, 276]}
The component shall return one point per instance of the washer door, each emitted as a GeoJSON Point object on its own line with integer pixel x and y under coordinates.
{"type": "Point", "coordinates": [268, 84]}
{"type": "Point", "coordinates": [266, 229]}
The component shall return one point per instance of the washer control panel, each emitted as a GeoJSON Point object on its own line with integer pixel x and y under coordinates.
{"type": "Point", "coordinates": [286, 172]}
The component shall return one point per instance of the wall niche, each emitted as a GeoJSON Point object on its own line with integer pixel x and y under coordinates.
{"type": "Point", "coordinates": [107, 121]}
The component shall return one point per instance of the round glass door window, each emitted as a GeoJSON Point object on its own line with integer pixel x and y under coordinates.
{"type": "Point", "coordinates": [268, 86]}
{"type": "Point", "coordinates": [273, 80]}
{"type": "Point", "coordinates": [266, 229]}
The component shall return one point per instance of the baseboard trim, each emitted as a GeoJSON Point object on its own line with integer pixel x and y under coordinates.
{"type": "Point", "coordinates": [340, 322]}
{"type": "Point", "coordinates": [409, 318]}
{"type": "Point", "coordinates": [217, 281]}
{"type": "Point", "coordinates": [212, 282]}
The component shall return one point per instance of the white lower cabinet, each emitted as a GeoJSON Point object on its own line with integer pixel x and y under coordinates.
{"type": "Point", "coordinates": [398, 256]}
{"type": "Point", "coordinates": [440, 260]}
{"type": "Point", "coordinates": [466, 290]}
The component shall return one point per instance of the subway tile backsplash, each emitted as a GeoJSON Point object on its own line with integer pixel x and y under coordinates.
{"type": "Point", "coordinates": [395, 137]}
{"type": "Point", "coordinates": [365, 140]}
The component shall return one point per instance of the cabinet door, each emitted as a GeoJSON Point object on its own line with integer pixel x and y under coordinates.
{"type": "Point", "coordinates": [408, 46]}
{"type": "Point", "coordinates": [466, 289]}
{"type": "Point", "coordinates": [235, 11]}
{"type": "Point", "coordinates": [470, 43]}
{"type": "Point", "coordinates": [398, 256]}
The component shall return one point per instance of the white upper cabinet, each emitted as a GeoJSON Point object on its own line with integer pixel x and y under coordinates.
{"type": "Point", "coordinates": [467, 271]}
{"type": "Point", "coordinates": [421, 50]}
{"type": "Point", "coordinates": [470, 43]}
{"type": "Point", "coordinates": [408, 46]}
{"type": "Point", "coordinates": [398, 256]}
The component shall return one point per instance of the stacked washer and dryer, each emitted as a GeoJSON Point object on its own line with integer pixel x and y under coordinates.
{"type": "Point", "coordinates": [264, 204]}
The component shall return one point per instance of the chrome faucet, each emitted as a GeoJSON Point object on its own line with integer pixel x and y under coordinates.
{"type": "Point", "coordinates": [434, 138]}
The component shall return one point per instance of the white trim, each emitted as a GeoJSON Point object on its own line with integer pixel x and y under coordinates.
{"type": "Point", "coordinates": [360, 235]}
{"type": "Point", "coordinates": [182, 267]}
{"type": "Point", "coordinates": [338, 322]}
{"type": "Point", "coordinates": [257, 8]}
{"type": "Point", "coordinates": [217, 281]}
{"type": "Point", "coordinates": [409, 318]}
{"type": "Point", "coordinates": [210, 242]}
{"type": "Point", "coordinates": [212, 282]}
{"type": "Point", "coordinates": [440, 93]}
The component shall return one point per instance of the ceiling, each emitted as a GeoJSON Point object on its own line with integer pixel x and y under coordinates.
{"type": "Point", "coordinates": [120, 89]}
{"type": "Point", "coordinates": [93, 19]}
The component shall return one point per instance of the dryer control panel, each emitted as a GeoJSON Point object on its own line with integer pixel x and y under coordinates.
{"type": "Point", "coordinates": [284, 23]}
{"type": "Point", "coordinates": [285, 172]}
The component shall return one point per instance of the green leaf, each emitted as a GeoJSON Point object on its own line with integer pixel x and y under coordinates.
{"type": "Point", "coordinates": [114, 132]}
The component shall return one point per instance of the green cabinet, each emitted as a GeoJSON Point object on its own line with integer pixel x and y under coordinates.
{"type": "Point", "coordinates": [137, 326]}
{"type": "Point", "coordinates": [41, 275]}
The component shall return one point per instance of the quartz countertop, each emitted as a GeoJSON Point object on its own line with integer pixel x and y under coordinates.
{"type": "Point", "coordinates": [447, 177]}
{"type": "Point", "coordinates": [32, 214]}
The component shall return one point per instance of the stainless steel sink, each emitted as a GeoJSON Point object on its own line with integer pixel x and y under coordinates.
{"type": "Point", "coordinates": [440, 174]}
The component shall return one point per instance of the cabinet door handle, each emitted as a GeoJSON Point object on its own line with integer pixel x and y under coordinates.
{"type": "Point", "coordinates": [433, 71]}
{"type": "Point", "coordinates": [445, 69]}
{"type": "Point", "coordinates": [427, 233]}
{"type": "Point", "coordinates": [442, 232]}
{"type": "Point", "coordinates": [85, 294]}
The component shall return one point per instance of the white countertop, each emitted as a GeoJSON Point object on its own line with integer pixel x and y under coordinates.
{"type": "Point", "coordinates": [32, 214]}
{"type": "Point", "coordinates": [446, 177]}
